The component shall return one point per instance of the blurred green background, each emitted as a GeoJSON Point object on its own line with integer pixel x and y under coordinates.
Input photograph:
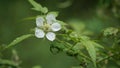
{"type": "Point", "coordinates": [95, 14]}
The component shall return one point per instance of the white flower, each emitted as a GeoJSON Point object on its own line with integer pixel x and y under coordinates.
{"type": "Point", "coordinates": [46, 27]}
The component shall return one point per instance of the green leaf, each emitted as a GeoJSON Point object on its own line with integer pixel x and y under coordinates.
{"type": "Point", "coordinates": [7, 62]}
{"type": "Point", "coordinates": [91, 49]}
{"type": "Point", "coordinates": [38, 7]}
{"type": "Point", "coordinates": [110, 31]}
{"type": "Point", "coordinates": [97, 45]}
{"type": "Point", "coordinates": [18, 40]}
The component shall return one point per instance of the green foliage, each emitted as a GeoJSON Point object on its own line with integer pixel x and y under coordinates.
{"type": "Point", "coordinates": [91, 49]}
{"type": "Point", "coordinates": [18, 40]}
{"type": "Point", "coordinates": [7, 63]}
{"type": "Point", "coordinates": [38, 7]}
{"type": "Point", "coordinates": [110, 31]}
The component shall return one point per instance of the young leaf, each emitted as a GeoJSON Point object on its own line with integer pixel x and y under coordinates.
{"type": "Point", "coordinates": [91, 49]}
{"type": "Point", "coordinates": [38, 7]}
{"type": "Point", "coordinates": [18, 40]}
{"type": "Point", "coordinates": [97, 45]}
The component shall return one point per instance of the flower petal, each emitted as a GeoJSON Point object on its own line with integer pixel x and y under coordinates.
{"type": "Point", "coordinates": [50, 18]}
{"type": "Point", "coordinates": [39, 21]}
{"type": "Point", "coordinates": [55, 27]}
{"type": "Point", "coordinates": [51, 36]}
{"type": "Point", "coordinates": [39, 33]}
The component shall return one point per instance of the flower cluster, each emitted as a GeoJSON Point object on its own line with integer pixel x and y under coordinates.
{"type": "Point", "coordinates": [46, 26]}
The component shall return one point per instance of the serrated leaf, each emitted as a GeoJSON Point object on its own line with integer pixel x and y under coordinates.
{"type": "Point", "coordinates": [97, 45]}
{"type": "Point", "coordinates": [91, 49]}
{"type": "Point", "coordinates": [38, 7]}
{"type": "Point", "coordinates": [78, 47]}
{"type": "Point", "coordinates": [18, 40]}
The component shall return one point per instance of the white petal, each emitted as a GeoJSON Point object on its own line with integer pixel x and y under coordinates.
{"type": "Point", "coordinates": [50, 18]}
{"type": "Point", "coordinates": [51, 36]}
{"type": "Point", "coordinates": [39, 33]}
{"type": "Point", "coordinates": [39, 21]}
{"type": "Point", "coordinates": [55, 27]}
{"type": "Point", "coordinates": [49, 22]}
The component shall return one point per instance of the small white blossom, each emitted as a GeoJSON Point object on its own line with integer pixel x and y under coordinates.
{"type": "Point", "coordinates": [46, 27]}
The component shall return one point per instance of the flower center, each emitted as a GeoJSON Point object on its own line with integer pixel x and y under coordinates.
{"type": "Point", "coordinates": [46, 27]}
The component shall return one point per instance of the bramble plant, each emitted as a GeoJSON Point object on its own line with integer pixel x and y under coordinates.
{"type": "Point", "coordinates": [68, 38]}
